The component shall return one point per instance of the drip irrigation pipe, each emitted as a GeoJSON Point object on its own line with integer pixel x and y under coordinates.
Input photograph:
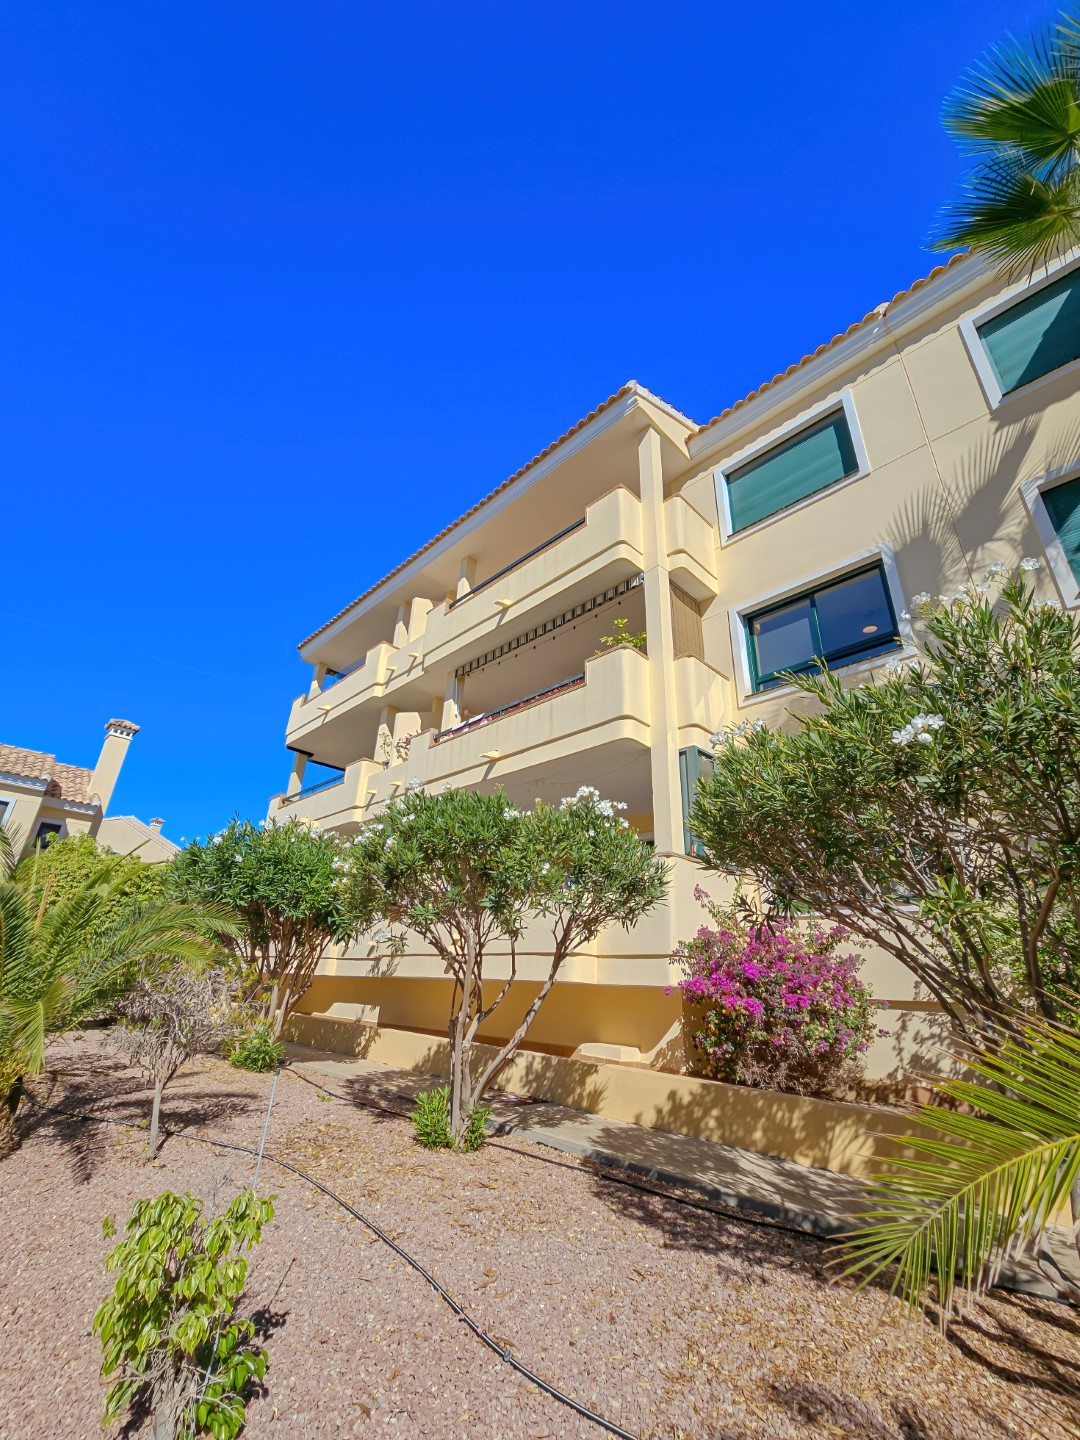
{"type": "Point", "coordinates": [601, 1169]}
{"type": "Point", "coordinates": [504, 1354]}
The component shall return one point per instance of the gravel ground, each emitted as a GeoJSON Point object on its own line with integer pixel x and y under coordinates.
{"type": "Point", "coordinates": [677, 1324]}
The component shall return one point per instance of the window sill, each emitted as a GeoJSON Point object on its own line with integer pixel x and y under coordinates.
{"type": "Point", "coordinates": [857, 667]}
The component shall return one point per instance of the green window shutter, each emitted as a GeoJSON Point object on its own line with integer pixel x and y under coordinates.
{"type": "Point", "coordinates": [1063, 506]}
{"type": "Point", "coordinates": [816, 457]}
{"type": "Point", "coordinates": [1038, 335]}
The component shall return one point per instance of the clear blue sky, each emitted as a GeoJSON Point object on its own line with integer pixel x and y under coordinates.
{"type": "Point", "coordinates": [271, 272]}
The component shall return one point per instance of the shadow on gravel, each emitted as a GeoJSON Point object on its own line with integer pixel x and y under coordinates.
{"type": "Point", "coordinates": [813, 1404]}
{"type": "Point", "coordinates": [982, 1335]}
{"type": "Point", "coordinates": [87, 1143]}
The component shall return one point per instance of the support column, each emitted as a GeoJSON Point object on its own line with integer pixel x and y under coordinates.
{"type": "Point", "coordinates": [296, 778]}
{"type": "Point", "coordinates": [451, 703]}
{"type": "Point", "coordinates": [466, 576]}
{"type": "Point", "coordinates": [666, 792]}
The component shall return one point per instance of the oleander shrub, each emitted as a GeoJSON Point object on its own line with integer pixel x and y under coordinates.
{"type": "Point", "coordinates": [431, 1122]}
{"type": "Point", "coordinates": [776, 1005]}
{"type": "Point", "coordinates": [257, 1049]}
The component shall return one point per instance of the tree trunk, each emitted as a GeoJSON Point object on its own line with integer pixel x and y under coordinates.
{"type": "Point", "coordinates": [155, 1116]}
{"type": "Point", "coordinates": [271, 1004]}
{"type": "Point", "coordinates": [281, 1012]}
{"type": "Point", "coordinates": [11, 1094]}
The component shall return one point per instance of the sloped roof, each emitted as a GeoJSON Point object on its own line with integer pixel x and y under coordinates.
{"type": "Point", "coordinates": [66, 782]}
{"type": "Point", "coordinates": [867, 319]}
{"type": "Point", "coordinates": [631, 387]}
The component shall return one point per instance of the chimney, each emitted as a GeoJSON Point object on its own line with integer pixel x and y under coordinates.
{"type": "Point", "coordinates": [118, 735]}
{"type": "Point", "coordinates": [156, 825]}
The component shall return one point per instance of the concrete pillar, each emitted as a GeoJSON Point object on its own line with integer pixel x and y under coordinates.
{"type": "Point", "coordinates": [418, 617]}
{"type": "Point", "coordinates": [667, 795]}
{"type": "Point", "coordinates": [401, 624]}
{"type": "Point", "coordinates": [451, 704]}
{"type": "Point", "coordinates": [296, 776]}
{"type": "Point", "coordinates": [384, 738]}
{"type": "Point", "coordinates": [317, 677]}
{"type": "Point", "coordinates": [118, 736]}
{"type": "Point", "coordinates": [466, 576]}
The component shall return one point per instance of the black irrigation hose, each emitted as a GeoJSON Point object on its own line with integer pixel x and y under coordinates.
{"type": "Point", "coordinates": [722, 1212]}
{"type": "Point", "coordinates": [481, 1334]}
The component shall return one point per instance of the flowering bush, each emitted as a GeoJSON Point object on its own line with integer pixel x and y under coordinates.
{"type": "Point", "coordinates": [776, 1007]}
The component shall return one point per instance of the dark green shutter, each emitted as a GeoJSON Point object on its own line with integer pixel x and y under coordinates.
{"type": "Point", "coordinates": [1038, 335]}
{"type": "Point", "coordinates": [816, 457]}
{"type": "Point", "coordinates": [1063, 506]}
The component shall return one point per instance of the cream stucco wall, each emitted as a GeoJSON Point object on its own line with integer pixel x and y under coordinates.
{"type": "Point", "coordinates": [635, 488]}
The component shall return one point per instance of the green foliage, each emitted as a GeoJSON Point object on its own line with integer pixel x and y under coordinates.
{"type": "Point", "coordinates": [168, 1331]}
{"type": "Point", "coordinates": [985, 1182]}
{"type": "Point", "coordinates": [64, 959]}
{"type": "Point", "coordinates": [285, 883]}
{"type": "Point", "coordinates": [623, 636]}
{"type": "Point", "coordinates": [937, 808]}
{"type": "Point", "coordinates": [466, 871]}
{"type": "Point", "coordinates": [431, 1122]}
{"type": "Point", "coordinates": [67, 866]}
{"type": "Point", "coordinates": [257, 1049]}
{"type": "Point", "coordinates": [431, 1119]}
{"type": "Point", "coordinates": [1018, 115]}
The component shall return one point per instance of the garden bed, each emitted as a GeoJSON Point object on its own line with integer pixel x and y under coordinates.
{"type": "Point", "coordinates": [672, 1321]}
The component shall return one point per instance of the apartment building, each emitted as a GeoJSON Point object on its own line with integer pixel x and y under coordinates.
{"type": "Point", "coordinates": [934, 436]}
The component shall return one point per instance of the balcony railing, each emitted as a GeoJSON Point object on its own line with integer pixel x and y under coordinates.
{"type": "Point", "coordinates": [313, 789]}
{"type": "Point", "coordinates": [476, 721]}
{"type": "Point", "coordinates": [333, 676]}
{"type": "Point", "coordinates": [506, 569]}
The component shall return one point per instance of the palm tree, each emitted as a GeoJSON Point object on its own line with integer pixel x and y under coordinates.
{"type": "Point", "coordinates": [64, 962]}
{"type": "Point", "coordinates": [1017, 113]}
{"type": "Point", "coordinates": [988, 1184]}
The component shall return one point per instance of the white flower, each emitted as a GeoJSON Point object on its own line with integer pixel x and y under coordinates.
{"type": "Point", "coordinates": [1029, 562]}
{"type": "Point", "coordinates": [446, 785]}
{"type": "Point", "coordinates": [993, 571]}
{"type": "Point", "coordinates": [238, 857]}
{"type": "Point", "coordinates": [544, 868]}
{"type": "Point", "coordinates": [388, 842]}
{"type": "Point", "coordinates": [414, 784]}
{"type": "Point", "coordinates": [925, 738]}
{"type": "Point", "coordinates": [510, 813]}
{"type": "Point", "coordinates": [918, 729]}
{"type": "Point", "coordinates": [921, 599]}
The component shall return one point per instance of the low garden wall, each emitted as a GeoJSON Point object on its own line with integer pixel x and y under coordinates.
{"type": "Point", "coordinates": [830, 1135]}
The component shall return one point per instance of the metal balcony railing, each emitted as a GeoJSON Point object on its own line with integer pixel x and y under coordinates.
{"type": "Point", "coordinates": [476, 721]}
{"type": "Point", "coordinates": [313, 789]}
{"type": "Point", "coordinates": [506, 569]}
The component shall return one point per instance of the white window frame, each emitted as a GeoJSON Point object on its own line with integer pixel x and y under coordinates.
{"type": "Point", "coordinates": [845, 402]}
{"type": "Point", "coordinates": [1032, 492]}
{"type": "Point", "coordinates": [980, 356]}
{"type": "Point", "coordinates": [882, 554]}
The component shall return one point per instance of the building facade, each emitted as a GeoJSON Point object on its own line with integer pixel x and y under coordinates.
{"type": "Point", "coordinates": [42, 799]}
{"type": "Point", "coordinates": [935, 436]}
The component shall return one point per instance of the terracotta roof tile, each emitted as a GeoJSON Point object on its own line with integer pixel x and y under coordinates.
{"type": "Point", "coordinates": [867, 319]}
{"type": "Point", "coordinates": [66, 782]}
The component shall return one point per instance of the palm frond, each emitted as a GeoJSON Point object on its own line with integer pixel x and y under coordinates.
{"type": "Point", "coordinates": [985, 1183]}
{"type": "Point", "coordinates": [26, 1024]}
{"type": "Point", "coordinates": [18, 970]}
{"type": "Point", "coordinates": [1022, 98]}
{"type": "Point", "coordinates": [10, 845]}
{"type": "Point", "coordinates": [1019, 221]}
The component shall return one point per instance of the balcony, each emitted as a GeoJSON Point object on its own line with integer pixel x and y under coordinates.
{"type": "Point", "coordinates": [546, 738]}
{"type": "Point", "coordinates": [330, 804]}
{"type": "Point", "coordinates": [691, 543]}
{"type": "Point", "coordinates": [588, 556]}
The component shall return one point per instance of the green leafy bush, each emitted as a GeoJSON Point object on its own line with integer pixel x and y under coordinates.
{"type": "Point", "coordinates": [167, 1331]}
{"type": "Point", "coordinates": [431, 1122]}
{"type": "Point", "coordinates": [257, 1050]}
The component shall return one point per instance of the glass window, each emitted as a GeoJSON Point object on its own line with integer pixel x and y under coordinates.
{"type": "Point", "coordinates": [5, 806]}
{"type": "Point", "coordinates": [47, 832]}
{"type": "Point", "coordinates": [694, 766]}
{"type": "Point", "coordinates": [838, 623]}
{"type": "Point", "coordinates": [1035, 336]}
{"type": "Point", "coordinates": [816, 457]}
{"type": "Point", "coordinates": [1063, 506]}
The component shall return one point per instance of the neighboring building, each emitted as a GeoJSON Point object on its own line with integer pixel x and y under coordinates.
{"type": "Point", "coordinates": [938, 434]}
{"type": "Point", "coordinates": [44, 799]}
{"type": "Point", "coordinates": [126, 835]}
